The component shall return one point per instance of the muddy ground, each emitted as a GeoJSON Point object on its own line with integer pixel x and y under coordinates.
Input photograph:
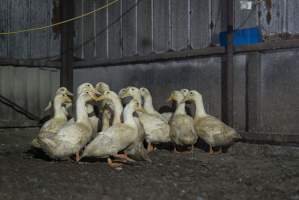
{"type": "Point", "coordinates": [246, 171]}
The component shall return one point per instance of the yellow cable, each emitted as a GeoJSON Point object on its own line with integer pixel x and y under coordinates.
{"type": "Point", "coordinates": [62, 22]}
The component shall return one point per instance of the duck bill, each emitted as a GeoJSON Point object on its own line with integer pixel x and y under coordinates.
{"type": "Point", "coordinates": [100, 98]}
{"type": "Point", "coordinates": [124, 95]}
{"type": "Point", "coordinates": [68, 99]}
{"type": "Point", "coordinates": [170, 99]}
{"type": "Point", "coordinates": [140, 110]}
{"type": "Point", "coordinates": [68, 93]}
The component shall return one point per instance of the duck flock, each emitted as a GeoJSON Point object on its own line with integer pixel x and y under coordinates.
{"type": "Point", "coordinates": [125, 129]}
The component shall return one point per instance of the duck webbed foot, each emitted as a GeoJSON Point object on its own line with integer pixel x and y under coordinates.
{"type": "Point", "coordinates": [211, 151]}
{"type": "Point", "coordinates": [150, 147]}
{"type": "Point", "coordinates": [77, 157]}
{"type": "Point", "coordinates": [184, 151]}
{"type": "Point", "coordinates": [124, 157]}
{"type": "Point", "coordinates": [113, 165]}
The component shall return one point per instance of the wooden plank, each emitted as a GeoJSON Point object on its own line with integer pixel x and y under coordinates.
{"type": "Point", "coordinates": [101, 30]}
{"type": "Point", "coordinates": [67, 44]}
{"type": "Point", "coordinates": [253, 92]}
{"type": "Point", "coordinates": [54, 33]}
{"type": "Point", "coordinates": [4, 13]}
{"type": "Point", "coordinates": [19, 45]}
{"type": "Point", "coordinates": [145, 27]}
{"type": "Point", "coordinates": [89, 30]}
{"type": "Point", "coordinates": [78, 40]}
{"type": "Point", "coordinates": [200, 36]}
{"type": "Point", "coordinates": [114, 30]}
{"type": "Point", "coordinates": [218, 19]}
{"type": "Point", "coordinates": [129, 28]}
{"type": "Point", "coordinates": [29, 63]}
{"type": "Point", "coordinates": [179, 24]}
{"type": "Point", "coordinates": [228, 70]}
{"type": "Point", "coordinates": [39, 39]}
{"type": "Point", "coordinates": [215, 51]}
{"type": "Point", "coordinates": [161, 25]}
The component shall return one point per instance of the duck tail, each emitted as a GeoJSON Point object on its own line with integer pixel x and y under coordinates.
{"type": "Point", "coordinates": [35, 143]}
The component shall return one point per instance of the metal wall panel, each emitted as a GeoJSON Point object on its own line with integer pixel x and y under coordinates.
{"type": "Point", "coordinates": [129, 28]}
{"type": "Point", "coordinates": [30, 88]}
{"type": "Point", "coordinates": [38, 42]}
{"type": "Point", "coordinates": [144, 27]}
{"type": "Point", "coordinates": [161, 25]}
{"type": "Point", "coordinates": [4, 15]}
{"type": "Point", "coordinates": [19, 45]}
{"type": "Point", "coordinates": [22, 14]}
{"type": "Point", "coordinates": [163, 77]}
{"type": "Point", "coordinates": [179, 24]}
{"type": "Point", "coordinates": [292, 21]}
{"type": "Point", "coordinates": [101, 23]}
{"type": "Point", "coordinates": [200, 33]}
{"type": "Point", "coordinates": [279, 92]}
{"type": "Point", "coordinates": [273, 20]}
{"type": "Point", "coordinates": [78, 24]}
{"type": "Point", "coordinates": [89, 30]}
{"type": "Point", "coordinates": [114, 30]}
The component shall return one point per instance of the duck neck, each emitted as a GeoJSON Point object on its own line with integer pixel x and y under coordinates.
{"type": "Point", "coordinates": [118, 109]}
{"type": "Point", "coordinates": [200, 110]}
{"type": "Point", "coordinates": [59, 111]}
{"type": "Point", "coordinates": [89, 108]}
{"type": "Point", "coordinates": [81, 111]}
{"type": "Point", "coordinates": [128, 117]}
{"type": "Point", "coordinates": [148, 104]}
{"type": "Point", "coordinates": [180, 108]}
{"type": "Point", "coordinates": [138, 98]}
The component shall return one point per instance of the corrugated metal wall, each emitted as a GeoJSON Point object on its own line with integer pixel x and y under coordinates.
{"type": "Point", "coordinates": [141, 27]}
{"type": "Point", "coordinates": [22, 14]}
{"type": "Point", "coordinates": [31, 88]}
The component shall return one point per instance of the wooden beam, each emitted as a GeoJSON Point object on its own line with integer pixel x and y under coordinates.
{"type": "Point", "coordinates": [215, 51]}
{"type": "Point", "coordinates": [29, 63]}
{"type": "Point", "coordinates": [205, 52]}
{"type": "Point", "coordinates": [268, 46]}
{"type": "Point", "coordinates": [67, 34]}
{"type": "Point", "coordinates": [228, 69]}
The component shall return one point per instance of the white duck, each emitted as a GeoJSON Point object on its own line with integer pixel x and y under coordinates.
{"type": "Point", "coordinates": [119, 137]}
{"type": "Point", "coordinates": [106, 105]}
{"type": "Point", "coordinates": [137, 152]}
{"type": "Point", "coordinates": [59, 119]}
{"type": "Point", "coordinates": [94, 120]}
{"type": "Point", "coordinates": [61, 90]}
{"type": "Point", "coordinates": [181, 125]}
{"type": "Point", "coordinates": [71, 138]}
{"type": "Point", "coordinates": [213, 131]}
{"type": "Point", "coordinates": [155, 127]}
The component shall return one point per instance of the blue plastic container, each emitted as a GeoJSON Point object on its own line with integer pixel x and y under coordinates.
{"type": "Point", "coordinates": [243, 36]}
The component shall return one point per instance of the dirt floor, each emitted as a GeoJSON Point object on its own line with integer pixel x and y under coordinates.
{"type": "Point", "coordinates": [246, 171]}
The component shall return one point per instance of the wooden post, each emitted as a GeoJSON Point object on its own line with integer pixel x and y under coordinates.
{"type": "Point", "coordinates": [67, 34]}
{"type": "Point", "coordinates": [228, 69]}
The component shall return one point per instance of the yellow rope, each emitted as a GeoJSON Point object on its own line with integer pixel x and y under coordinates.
{"type": "Point", "coordinates": [62, 22]}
